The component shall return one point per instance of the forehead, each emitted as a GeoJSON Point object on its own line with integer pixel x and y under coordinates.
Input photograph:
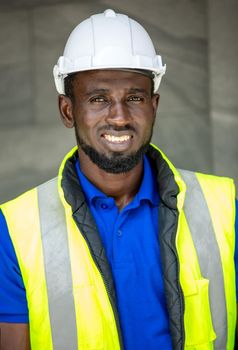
{"type": "Point", "coordinates": [111, 80]}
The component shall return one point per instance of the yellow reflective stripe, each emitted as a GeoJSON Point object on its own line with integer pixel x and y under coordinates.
{"type": "Point", "coordinates": [220, 197]}
{"type": "Point", "coordinates": [23, 225]}
{"type": "Point", "coordinates": [57, 267]}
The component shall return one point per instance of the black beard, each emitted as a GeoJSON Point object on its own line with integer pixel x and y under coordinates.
{"type": "Point", "coordinates": [117, 163]}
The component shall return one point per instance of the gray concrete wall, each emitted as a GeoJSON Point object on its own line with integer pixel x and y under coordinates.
{"type": "Point", "coordinates": [223, 85]}
{"type": "Point", "coordinates": [197, 122]}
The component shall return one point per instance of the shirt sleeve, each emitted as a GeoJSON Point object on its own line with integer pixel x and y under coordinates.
{"type": "Point", "coordinates": [13, 303]}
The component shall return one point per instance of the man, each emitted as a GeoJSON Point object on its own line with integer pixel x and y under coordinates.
{"type": "Point", "coordinates": [81, 259]}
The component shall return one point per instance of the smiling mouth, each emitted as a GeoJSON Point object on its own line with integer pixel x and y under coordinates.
{"type": "Point", "coordinates": [117, 139]}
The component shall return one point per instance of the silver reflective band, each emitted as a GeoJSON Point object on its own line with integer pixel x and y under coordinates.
{"type": "Point", "coordinates": [57, 267]}
{"type": "Point", "coordinates": [204, 238]}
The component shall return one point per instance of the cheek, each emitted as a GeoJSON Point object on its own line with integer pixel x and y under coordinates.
{"type": "Point", "coordinates": [89, 119]}
{"type": "Point", "coordinates": [147, 127]}
{"type": "Point", "coordinates": [146, 120]}
{"type": "Point", "coordinates": [86, 128]}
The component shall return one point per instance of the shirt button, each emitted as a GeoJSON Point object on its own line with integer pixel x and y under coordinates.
{"type": "Point", "coordinates": [119, 233]}
{"type": "Point", "coordinates": [104, 206]}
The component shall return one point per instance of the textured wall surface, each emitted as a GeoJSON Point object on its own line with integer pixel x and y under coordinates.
{"type": "Point", "coordinates": [197, 122]}
{"type": "Point", "coordinates": [223, 72]}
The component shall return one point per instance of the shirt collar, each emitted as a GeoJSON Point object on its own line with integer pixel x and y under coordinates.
{"type": "Point", "coordinates": [147, 191]}
{"type": "Point", "coordinates": [91, 192]}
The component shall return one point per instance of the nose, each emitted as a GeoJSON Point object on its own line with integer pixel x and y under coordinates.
{"type": "Point", "coordinates": [118, 114]}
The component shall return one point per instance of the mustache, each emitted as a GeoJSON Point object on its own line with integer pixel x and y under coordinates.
{"type": "Point", "coordinates": [117, 128]}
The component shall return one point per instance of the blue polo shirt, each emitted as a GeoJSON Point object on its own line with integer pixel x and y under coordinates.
{"type": "Point", "coordinates": [130, 238]}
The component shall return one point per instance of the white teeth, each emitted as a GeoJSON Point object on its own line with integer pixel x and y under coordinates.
{"type": "Point", "coordinates": [118, 139]}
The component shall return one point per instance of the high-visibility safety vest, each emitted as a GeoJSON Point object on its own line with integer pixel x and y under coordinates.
{"type": "Point", "coordinates": [68, 281]}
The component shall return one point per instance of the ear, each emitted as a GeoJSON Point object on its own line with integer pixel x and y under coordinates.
{"type": "Point", "coordinates": [66, 111]}
{"type": "Point", "coordinates": [155, 102]}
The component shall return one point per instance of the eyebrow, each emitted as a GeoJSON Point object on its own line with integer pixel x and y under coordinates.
{"type": "Point", "coordinates": [103, 91]}
{"type": "Point", "coordinates": [97, 91]}
{"type": "Point", "coordinates": [136, 90]}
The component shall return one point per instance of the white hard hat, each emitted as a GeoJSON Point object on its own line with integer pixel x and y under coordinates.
{"type": "Point", "coordinates": [108, 41]}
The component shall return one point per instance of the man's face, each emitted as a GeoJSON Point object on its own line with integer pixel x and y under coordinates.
{"type": "Point", "coordinates": [113, 113]}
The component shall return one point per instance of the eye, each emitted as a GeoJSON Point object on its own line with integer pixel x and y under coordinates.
{"type": "Point", "coordinates": [98, 99]}
{"type": "Point", "coordinates": [135, 98]}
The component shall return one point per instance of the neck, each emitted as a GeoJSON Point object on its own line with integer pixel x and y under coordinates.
{"type": "Point", "coordinates": [122, 187]}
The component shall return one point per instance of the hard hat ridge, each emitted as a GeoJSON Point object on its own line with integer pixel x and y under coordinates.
{"type": "Point", "coordinates": [108, 41]}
